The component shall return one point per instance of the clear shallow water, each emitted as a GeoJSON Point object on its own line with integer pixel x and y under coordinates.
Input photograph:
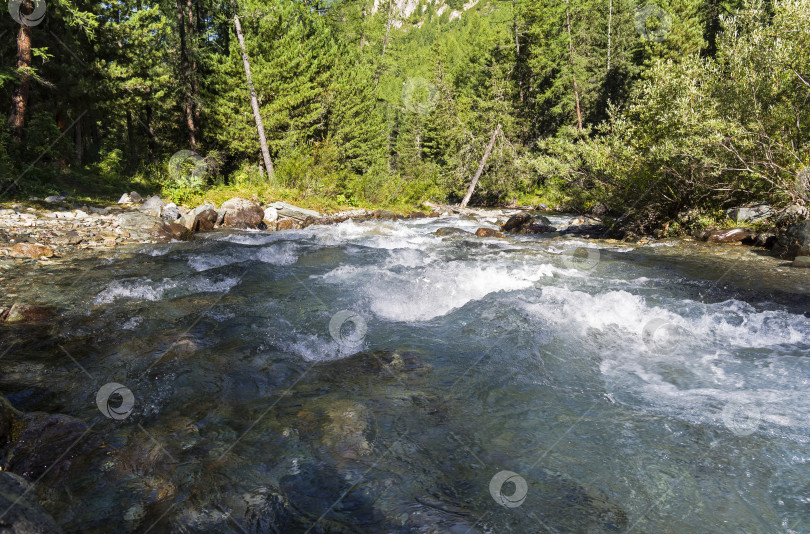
{"type": "Point", "coordinates": [372, 377]}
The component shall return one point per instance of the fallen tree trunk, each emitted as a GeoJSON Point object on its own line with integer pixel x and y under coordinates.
{"type": "Point", "coordinates": [481, 167]}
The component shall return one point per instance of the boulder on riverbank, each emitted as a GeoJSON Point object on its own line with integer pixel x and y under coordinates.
{"type": "Point", "coordinates": [750, 213]}
{"type": "Point", "coordinates": [147, 227]}
{"type": "Point", "coordinates": [242, 213]}
{"type": "Point", "coordinates": [793, 241]}
{"type": "Point", "coordinates": [294, 212]}
{"type": "Point", "coordinates": [152, 206]}
{"type": "Point", "coordinates": [734, 235]}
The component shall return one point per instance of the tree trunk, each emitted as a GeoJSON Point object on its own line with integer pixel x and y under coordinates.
{"type": "Point", "coordinates": [186, 66]}
{"type": "Point", "coordinates": [610, 25]}
{"type": "Point", "coordinates": [363, 27]}
{"type": "Point", "coordinates": [19, 97]}
{"type": "Point", "coordinates": [480, 167]}
{"type": "Point", "coordinates": [517, 50]}
{"type": "Point", "coordinates": [130, 140]}
{"type": "Point", "coordinates": [254, 103]}
{"type": "Point", "coordinates": [385, 44]}
{"type": "Point", "coordinates": [153, 140]}
{"type": "Point", "coordinates": [78, 143]}
{"type": "Point", "coordinates": [573, 73]}
{"type": "Point", "coordinates": [192, 51]}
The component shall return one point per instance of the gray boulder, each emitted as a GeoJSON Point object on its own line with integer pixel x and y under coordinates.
{"type": "Point", "coordinates": [54, 199]}
{"type": "Point", "coordinates": [753, 212]}
{"type": "Point", "coordinates": [170, 212]}
{"type": "Point", "coordinates": [793, 241]}
{"type": "Point", "coordinates": [147, 227]}
{"type": "Point", "coordinates": [294, 212]}
{"type": "Point", "coordinates": [152, 206]}
{"type": "Point", "coordinates": [130, 198]}
{"type": "Point", "coordinates": [22, 514]}
{"type": "Point", "coordinates": [792, 215]}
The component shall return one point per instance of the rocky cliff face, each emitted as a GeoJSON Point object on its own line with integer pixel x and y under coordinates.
{"type": "Point", "coordinates": [403, 9]}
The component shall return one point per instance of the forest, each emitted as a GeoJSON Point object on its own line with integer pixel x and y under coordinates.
{"type": "Point", "coordinates": [638, 111]}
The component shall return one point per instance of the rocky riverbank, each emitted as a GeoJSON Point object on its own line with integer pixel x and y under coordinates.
{"type": "Point", "coordinates": [60, 227]}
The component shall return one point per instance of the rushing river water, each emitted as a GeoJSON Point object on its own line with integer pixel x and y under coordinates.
{"type": "Point", "coordinates": [373, 377]}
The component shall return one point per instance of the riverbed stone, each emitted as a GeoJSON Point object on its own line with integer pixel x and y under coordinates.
{"type": "Point", "coordinates": [793, 241]}
{"type": "Point", "coordinates": [22, 514]}
{"type": "Point", "coordinates": [71, 237]}
{"type": "Point", "coordinates": [54, 199]}
{"type": "Point", "coordinates": [44, 442]}
{"type": "Point", "coordinates": [242, 213]}
{"type": "Point", "coordinates": [527, 223]}
{"type": "Point", "coordinates": [801, 261]}
{"type": "Point", "coordinates": [29, 313]}
{"type": "Point", "coordinates": [348, 429]}
{"type": "Point", "coordinates": [448, 231]}
{"type": "Point", "coordinates": [30, 250]}
{"type": "Point", "coordinates": [488, 232]}
{"type": "Point", "coordinates": [515, 222]}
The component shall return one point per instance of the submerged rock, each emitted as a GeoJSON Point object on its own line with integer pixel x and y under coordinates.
{"type": "Point", "coordinates": [21, 312]}
{"type": "Point", "coordinates": [801, 261]}
{"type": "Point", "coordinates": [515, 222]}
{"type": "Point", "coordinates": [447, 231]}
{"type": "Point", "coordinates": [488, 232]}
{"type": "Point", "coordinates": [47, 443]}
{"type": "Point", "coordinates": [21, 513]}
{"type": "Point", "coordinates": [526, 223]}
{"type": "Point", "coordinates": [349, 431]}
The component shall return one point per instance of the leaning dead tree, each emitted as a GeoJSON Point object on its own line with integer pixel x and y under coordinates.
{"type": "Point", "coordinates": [481, 167]}
{"type": "Point", "coordinates": [254, 103]}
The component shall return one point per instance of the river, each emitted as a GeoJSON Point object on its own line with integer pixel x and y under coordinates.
{"type": "Point", "coordinates": [373, 377]}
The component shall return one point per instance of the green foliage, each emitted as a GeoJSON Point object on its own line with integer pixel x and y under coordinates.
{"type": "Point", "coordinates": [690, 104]}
